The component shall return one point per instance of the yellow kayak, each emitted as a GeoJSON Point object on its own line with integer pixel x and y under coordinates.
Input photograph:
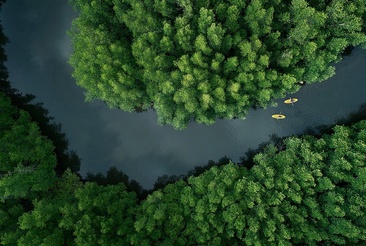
{"type": "Point", "coordinates": [278, 116]}
{"type": "Point", "coordinates": [291, 100]}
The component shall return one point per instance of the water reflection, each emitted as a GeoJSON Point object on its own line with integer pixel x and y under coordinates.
{"type": "Point", "coordinates": [133, 142]}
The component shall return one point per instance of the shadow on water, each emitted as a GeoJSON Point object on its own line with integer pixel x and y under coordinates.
{"type": "Point", "coordinates": [348, 51]}
{"type": "Point", "coordinates": [115, 176]}
{"type": "Point", "coordinates": [53, 131]}
{"type": "Point", "coordinates": [65, 158]}
{"type": "Point", "coordinates": [247, 160]}
{"type": "Point", "coordinates": [356, 116]}
{"type": "Point", "coordinates": [37, 65]}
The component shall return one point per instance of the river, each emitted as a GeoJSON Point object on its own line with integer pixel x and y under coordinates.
{"type": "Point", "coordinates": [133, 142]}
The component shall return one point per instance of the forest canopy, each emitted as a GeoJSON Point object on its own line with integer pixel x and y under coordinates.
{"type": "Point", "coordinates": [207, 59]}
{"type": "Point", "coordinates": [24, 170]}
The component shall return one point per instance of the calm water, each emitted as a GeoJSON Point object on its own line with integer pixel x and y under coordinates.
{"type": "Point", "coordinates": [133, 142]}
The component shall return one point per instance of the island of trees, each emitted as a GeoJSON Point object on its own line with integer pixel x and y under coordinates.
{"type": "Point", "coordinates": [208, 59]}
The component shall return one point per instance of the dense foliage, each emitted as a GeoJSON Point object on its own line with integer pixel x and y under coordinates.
{"type": "Point", "coordinates": [80, 214]}
{"type": "Point", "coordinates": [113, 177]}
{"type": "Point", "coordinates": [27, 166]}
{"type": "Point", "coordinates": [26, 157]}
{"type": "Point", "coordinates": [205, 59]}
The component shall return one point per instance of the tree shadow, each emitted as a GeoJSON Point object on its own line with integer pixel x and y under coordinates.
{"type": "Point", "coordinates": [53, 131]}
{"type": "Point", "coordinates": [114, 177]}
{"type": "Point", "coordinates": [352, 118]}
{"type": "Point", "coordinates": [164, 180]}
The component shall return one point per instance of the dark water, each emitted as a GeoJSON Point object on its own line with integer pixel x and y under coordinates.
{"type": "Point", "coordinates": [133, 142]}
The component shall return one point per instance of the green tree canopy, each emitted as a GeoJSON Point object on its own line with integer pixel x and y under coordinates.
{"type": "Point", "coordinates": [80, 214]}
{"type": "Point", "coordinates": [207, 59]}
{"type": "Point", "coordinates": [312, 192]}
{"type": "Point", "coordinates": [26, 157]}
{"type": "Point", "coordinates": [27, 165]}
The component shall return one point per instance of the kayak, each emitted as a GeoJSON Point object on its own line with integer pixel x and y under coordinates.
{"type": "Point", "coordinates": [291, 100]}
{"type": "Point", "coordinates": [278, 116]}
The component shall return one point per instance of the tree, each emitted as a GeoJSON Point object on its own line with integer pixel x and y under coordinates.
{"type": "Point", "coordinates": [114, 177]}
{"type": "Point", "coordinates": [43, 224]}
{"type": "Point", "coordinates": [101, 215]}
{"type": "Point", "coordinates": [27, 165]}
{"type": "Point", "coordinates": [79, 214]}
{"type": "Point", "coordinates": [27, 158]}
